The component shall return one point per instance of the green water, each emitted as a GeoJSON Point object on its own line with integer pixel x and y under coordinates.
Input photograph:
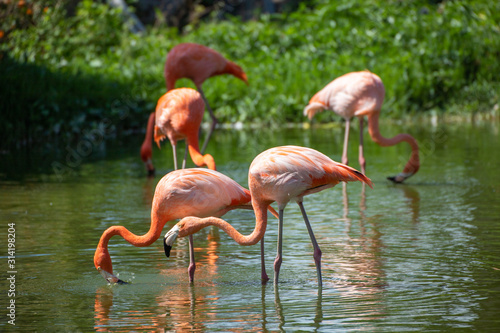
{"type": "Point", "coordinates": [424, 256]}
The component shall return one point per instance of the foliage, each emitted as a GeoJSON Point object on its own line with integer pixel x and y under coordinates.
{"type": "Point", "coordinates": [65, 74]}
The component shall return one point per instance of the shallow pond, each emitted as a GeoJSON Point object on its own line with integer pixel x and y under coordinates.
{"type": "Point", "coordinates": [424, 256]}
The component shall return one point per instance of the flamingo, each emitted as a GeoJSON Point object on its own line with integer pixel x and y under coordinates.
{"type": "Point", "coordinates": [278, 175]}
{"type": "Point", "coordinates": [178, 116]}
{"type": "Point", "coordinates": [360, 94]}
{"type": "Point", "coordinates": [198, 63]}
{"type": "Point", "coordinates": [180, 193]}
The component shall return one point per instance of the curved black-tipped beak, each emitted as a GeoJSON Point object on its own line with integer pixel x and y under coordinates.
{"type": "Point", "coordinates": [169, 239]}
{"type": "Point", "coordinates": [167, 249]}
{"type": "Point", "coordinates": [151, 172]}
{"type": "Point", "coordinates": [110, 277]}
{"type": "Point", "coordinates": [395, 180]}
{"type": "Point", "coordinates": [400, 177]}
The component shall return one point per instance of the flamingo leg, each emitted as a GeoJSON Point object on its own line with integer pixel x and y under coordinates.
{"type": "Point", "coordinates": [345, 160]}
{"type": "Point", "coordinates": [174, 149]}
{"type": "Point", "coordinates": [279, 255]}
{"type": "Point", "coordinates": [317, 250]}
{"type": "Point", "coordinates": [361, 157]}
{"type": "Point", "coordinates": [192, 264]}
{"type": "Point", "coordinates": [214, 120]}
{"type": "Point", "coordinates": [263, 273]}
{"type": "Point", "coordinates": [185, 157]}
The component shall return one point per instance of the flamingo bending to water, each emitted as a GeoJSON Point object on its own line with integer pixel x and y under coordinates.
{"type": "Point", "coordinates": [181, 193]}
{"type": "Point", "coordinates": [197, 63]}
{"type": "Point", "coordinates": [178, 117]}
{"type": "Point", "coordinates": [360, 94]}
{"type": "Point", "coordinates": [278, 175]}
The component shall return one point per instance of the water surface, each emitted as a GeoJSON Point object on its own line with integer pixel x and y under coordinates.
{"type": "Point", "coordinates": [424, 256]}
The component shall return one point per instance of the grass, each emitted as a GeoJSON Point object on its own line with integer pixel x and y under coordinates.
{"type": "Point", "coordinates": [64, 75]}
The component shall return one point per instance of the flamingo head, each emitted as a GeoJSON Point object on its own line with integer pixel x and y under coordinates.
{"type": "Point", "coordinates": [146, 157]}
{"type": "Point", "coordinates": [209, 161]}
{"type": "Point", "coordinates": [237, 71]}
{"type": "Point", "coordinates": [185, 227]}
{"type": "Point", "coordinates": [102, 263]}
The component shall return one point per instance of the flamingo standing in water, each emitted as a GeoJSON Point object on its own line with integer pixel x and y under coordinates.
{"type": "Point", "coordinates": [197, 63]}
{"type": "Point", "coordinates": [181, 193]}
{"type": "Point", "coordinates": [360, 94]}
{"type": "Point", "coordinates": [278, 174]}
{"type": "Point", "coordinates": [178, 116]}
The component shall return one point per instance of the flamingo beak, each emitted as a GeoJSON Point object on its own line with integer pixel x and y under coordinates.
{"type": "Point", "coordinates": [400, 177]}
{"type": "Point", "coordinates": [169, 239]}
{"type": "Point", "coordinates": [110, 277]}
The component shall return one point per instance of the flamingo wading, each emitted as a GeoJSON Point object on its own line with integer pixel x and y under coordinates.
{"type": "Point", "coordinates": [178, 117]}
{"type": "Point", "coordinates": [197, 63]}
{"type": "Point", "coordinates": [181, 193]}
{"type": "Point", "coordinates": [278, 175]}
{"type": "Point", "coordinates": [360, 94]}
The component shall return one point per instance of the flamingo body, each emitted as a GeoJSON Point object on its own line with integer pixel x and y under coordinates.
{"type": "Point", "coordinates": [181, 193]}
{"type": "Point", "coordinates": [179, 113]}
{"type": "Point", "coordinates": [285, 173]}
{"type": "Point", "coordinates": [197, 63]}
{"type": "Point", "coordinates": [360, 94]}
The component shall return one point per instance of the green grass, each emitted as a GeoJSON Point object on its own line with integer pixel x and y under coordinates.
{"type": "Point", "coordinates": [64, 75]}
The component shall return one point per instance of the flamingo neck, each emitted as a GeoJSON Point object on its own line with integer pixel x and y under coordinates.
{"type": "Point", "coordinates": [245, 240]}
{"type": "Point", "coordinates": [235, 70]}
{"type": "Point", "coordinates": [199, 159]}
{"type": "Point", "coordinates": [413, 163]}
{"type": "Point", "coordinates": [102, 255]}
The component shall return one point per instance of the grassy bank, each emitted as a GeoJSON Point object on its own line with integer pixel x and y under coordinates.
{"type": "Point", "coordinates": [65, 75]}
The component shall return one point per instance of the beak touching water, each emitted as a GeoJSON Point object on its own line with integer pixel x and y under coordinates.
{"type": "Point", "coordinates": [110, 277]}
{"type": "Point", "coordinates": [169, 239]}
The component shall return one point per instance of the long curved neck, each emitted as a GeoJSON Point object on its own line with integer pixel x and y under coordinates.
{"type": "Point", "coordinates": [251, 239]}
{"type": "Point", "coordinates": [147, 145]}
{"type": "Point", "coordinates": [194, 151]}
{"type": "Point", "coordinates": [147, 239]}
{"type": "Point", "coordinates": [413, 163]}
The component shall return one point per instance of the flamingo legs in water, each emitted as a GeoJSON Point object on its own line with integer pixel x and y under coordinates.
{"type": "Point", "coordinates": [174, 149]}
{"type": "Point", "coordinates": [192, 264]}
{"type": "Point", "coordinates": [263, 274]}
{"type": "Point", "coordinates": [345, 160]}
{"type": "Point", "coordinates": [279, 255]}
{"type": "Point", "coordinates": [317, 250]}
{"type": "Point", "coordinates": [361, 158]}
{"type": "Point", "coordinates": [214, 120]}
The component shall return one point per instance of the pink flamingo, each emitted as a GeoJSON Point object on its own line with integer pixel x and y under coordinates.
{"type": "Point", "coordinates": [181, 193]}
{"type": "Point", "coordinates": [360, 94]}
{"type": "Point", "coordinates": [178, 117]}
{"type": "Point", "coordinates": [197, 63]}
{"type": "Point", "coordinates": [278, 175]}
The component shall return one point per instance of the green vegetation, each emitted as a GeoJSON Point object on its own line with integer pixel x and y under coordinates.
{"type": "Point", "coordinates": [64, 75]}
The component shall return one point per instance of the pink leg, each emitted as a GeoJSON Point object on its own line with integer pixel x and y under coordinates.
{"type": "Point", "coordinates": [192, 264]}
{"type": "Point", "coordinates": [174, 149]}
{"type": "Point", "coordinates": [345, 160]}
{"type": "Point", "coordinates": [317, 250]}
{"type": "Point", "coordinates": [263, 274]}
{"type": "Point", "coordinates": [214, 120]}
{"type": "Point", "coordinates": [279, 256]}
{"type": "Point", "coordinates": [362, 161]}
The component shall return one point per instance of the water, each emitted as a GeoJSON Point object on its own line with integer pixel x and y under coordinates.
{"type": "Point", "coordinates": [424, 256]}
